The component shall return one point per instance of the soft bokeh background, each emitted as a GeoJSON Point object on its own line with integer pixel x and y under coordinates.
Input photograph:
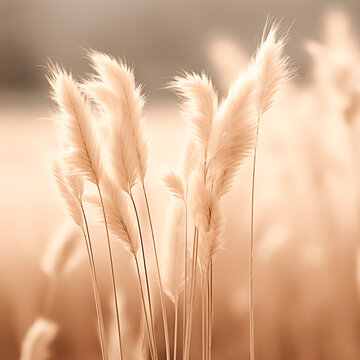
{"type": "Point", "coordinates": [159, 37]}
{"type": "Point", "coordinates": [307, 203]}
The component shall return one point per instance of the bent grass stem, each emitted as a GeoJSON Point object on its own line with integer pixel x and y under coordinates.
{"type": "Point", "coordinates": [146, 274]}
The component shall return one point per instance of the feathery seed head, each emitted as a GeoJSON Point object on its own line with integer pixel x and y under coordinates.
{"type": "Point", "coordinates": [75, 123]}
{"type": "Point", "coordinates": [37, 341]}
{"type": "Point", "coordinates": [191, 160]}
{"type": "Point", "coordinates": [120, 222]}
{"type": "Point", "coordinates": [174, 252]}
{"type": "Point", "coordinates": [174, 184]}
{"type": "Point", "coordinates": [115, 90]}
{"type": "Point", "coordinates": [70, 189]}
{"type": "Point", "coordinates": [63, 252]}
{"type": "Point", "coordinates": [200, 103]}
{"type": "Point", "coordinates": [272, 68]}
{"type": "Point", "coordinates": [233, 138]}
{"type": "Point", "coordinates": [206, 214]}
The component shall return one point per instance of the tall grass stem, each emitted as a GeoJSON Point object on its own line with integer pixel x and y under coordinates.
{"type": "Point", "coordinates": [151, 340]}
{"type": "Point", "coordinates": [162, 300]}
{"type": "Point", "coordinates": [100, 319]}
{"type": "Point", "coordinates": [176, 327]}
{"type": "Point", "coordinates": [186, 274]}
{"type": "Point", "coordinates": [146, 274]}
{"type": "Point", "coordinates": [192, 295]}
{"type": "Point", "coordinates": [112, 273]}
{"type": "Point", "coordinates": [251, 270]}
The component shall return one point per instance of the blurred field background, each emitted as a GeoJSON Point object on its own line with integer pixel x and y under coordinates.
{"type": "Point", "coordinates": [308, 198]}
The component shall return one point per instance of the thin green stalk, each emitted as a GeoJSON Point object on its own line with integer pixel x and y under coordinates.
{"type": "Point", "coordinates": [176, 327]}
{"type": "Point", "coordinates": [251, 270]}
{"type": "Point", "coordinates": [151, 340]}
{"type": "Point", "coordinates": [146, 273]}
{"type": "Point", "coordinates": [192, 295]}
{"type": "Point", "coordinates": [162, 300]}
{"type": "Point", "coordinates": [112, 273]}
{"type": "Point", "coordinates": [95, 286]}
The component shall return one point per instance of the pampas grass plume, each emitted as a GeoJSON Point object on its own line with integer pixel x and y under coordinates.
{"type": "Point", "coordinates": [76, 124]}
{"type": "Point", "coordinates": [190, 161]}
{"type": "Point", "coordinates": [272, 68]}
{"type": "Point", "coordinates": [211, 241]}
{"type": "Point", "coordinates": [63, 252]}
{"type": "Point", "coordinates": [174, 184]}
{"type": "Point", "coordinates": [206, 214]}
{"type": "Point", "coordinates": [173, 253]}
{"type": "Point", "coordinates": [37, 341]}
{"type": "Point", "coordinates": [200, 103]}
{"type": "Point", "coordinates": [114, 89]}
{"type": "Point", "coordinates": [119, 220]}
{"type": "Point", "coordinates": [70, 189]}
{"type": "Point", "coordinates": [233, 138]}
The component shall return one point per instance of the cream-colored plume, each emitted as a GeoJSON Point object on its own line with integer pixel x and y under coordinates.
{"type": "Point", "coordinates": [38, 339]}
{"type": "Point", "coordinates": [63, 252]}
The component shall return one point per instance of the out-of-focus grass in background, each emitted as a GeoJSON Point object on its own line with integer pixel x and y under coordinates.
{"type": "Point", "coordinates": [159, 37]}
{"type": "Point", "coordinates": [307, 306]}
